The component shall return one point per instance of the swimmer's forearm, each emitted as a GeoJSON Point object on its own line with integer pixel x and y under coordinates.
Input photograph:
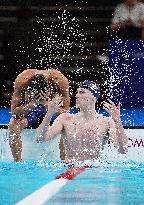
{"type": "Point", "coordinates": [122, 138]}
{"type": "Point", "coordinates": [43, 128]}
{"type": "Point", "coordinates": [23, 109]}
{"type": "Point", "coordinates": [46, 131]}
{"type": "Point", "coordinates": [46, 122]}
{"type": "Point", "coordinates": [66, 105]}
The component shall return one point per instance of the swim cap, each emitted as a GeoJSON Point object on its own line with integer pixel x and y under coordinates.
{"type": "Point", "coordinates": [92, 87]}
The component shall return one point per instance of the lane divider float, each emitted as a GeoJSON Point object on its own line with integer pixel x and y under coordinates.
{"type": "Point", "coordinates": [43, 194]}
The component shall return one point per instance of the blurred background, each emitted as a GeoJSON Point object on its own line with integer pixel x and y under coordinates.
{"type": "Point", "coordinates": [72, 36]}
{"type": "Point", "coordinates": [67, 35]}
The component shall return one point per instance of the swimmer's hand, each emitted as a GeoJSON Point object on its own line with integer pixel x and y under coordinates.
{"type": "Point", "coordinates": [55, 104]}
{"type": "Point", "coordinates": [41, 98]}
{"type": "Point", "coordinates": [113, 110]}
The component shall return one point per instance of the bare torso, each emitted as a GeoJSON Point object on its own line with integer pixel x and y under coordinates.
{"type": "Point", "coordinates": [83, 139]}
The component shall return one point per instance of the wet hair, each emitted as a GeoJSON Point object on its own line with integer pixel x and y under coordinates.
{"type": "Point", "coordinates": [38, 83]}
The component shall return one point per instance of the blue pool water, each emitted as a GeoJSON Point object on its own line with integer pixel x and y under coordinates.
{"type": "Point", "coordinates": [110, 183]}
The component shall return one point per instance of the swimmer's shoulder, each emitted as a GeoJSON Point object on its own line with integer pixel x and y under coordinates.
{"type": "Point", "coordinates": [56, 75]}
{"type": "Point", "coordinates": [23, 77]}
{"type": "Point", "coordinates": [65, 117]}
{"type": "Point", "coordinates": [54, 72]}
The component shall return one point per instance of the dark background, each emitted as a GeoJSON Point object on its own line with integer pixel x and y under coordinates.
{"type": "Point", "coordinates": [66, 35]}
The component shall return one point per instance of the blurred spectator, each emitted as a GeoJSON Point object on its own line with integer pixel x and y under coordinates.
{"type": "Point", "coordinates": [128, 20]}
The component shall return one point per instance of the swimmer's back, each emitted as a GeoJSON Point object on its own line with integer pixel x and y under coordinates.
{"type": "Point", "coordinates": [23, 78]}
{"type": "Point", "coordinates": [51, 74]}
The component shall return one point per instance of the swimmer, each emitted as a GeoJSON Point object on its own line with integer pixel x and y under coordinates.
{"type": "Point", "coordinates": [84, 133]}
{"type": "Point", "coordinates": [32, 90]}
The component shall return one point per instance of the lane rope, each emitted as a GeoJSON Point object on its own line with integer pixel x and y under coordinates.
{"type": "Point", "coordinates": [43, 194]}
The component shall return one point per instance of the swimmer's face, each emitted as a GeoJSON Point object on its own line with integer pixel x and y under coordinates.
{"type": "Point", "coordinates": [84, 98]}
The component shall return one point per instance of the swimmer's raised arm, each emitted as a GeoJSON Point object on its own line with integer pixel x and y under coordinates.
{"type": "Point", "coordinates": [45, 131]}
{"type": "Point", "coordinates": [66, 104]}
{"type": "Point", "coordinates": [56, 128]}
{"type": "Point", "coordinates": [17, 107]}
{"type": "Point", "coordinates": [118, 136]}
{"type": "Point", "coordinates": [116, 130]}
{"type": "Point", "coordinates": [52, 130]}
{"type": "Point", "coordinates": [63, 87]}
{"type": "Point", "coordinates": [65, 95]}
{"type": "Point", "coordinates": [20, 87]}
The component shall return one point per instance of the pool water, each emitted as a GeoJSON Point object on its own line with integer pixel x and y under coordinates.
{"type": "Point", "coordinates": [107, 183]}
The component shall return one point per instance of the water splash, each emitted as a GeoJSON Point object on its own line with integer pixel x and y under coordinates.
{"type": "Point", "coordinates": [54, 44]}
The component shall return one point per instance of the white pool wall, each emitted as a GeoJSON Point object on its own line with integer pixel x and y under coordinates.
{"type": "Point", "coordinates": [50, 150]}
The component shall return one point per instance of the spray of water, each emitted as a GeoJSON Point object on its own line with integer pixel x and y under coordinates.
{"type": "Point", "coordinates": [54, 44]}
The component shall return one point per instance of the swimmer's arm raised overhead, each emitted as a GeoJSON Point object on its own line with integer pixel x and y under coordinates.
{"type": "Point", "coordinates": [17, 106]}
{"type": "Point", "coordinates": [63, 87]}
{"type": "Point", "coordinates": [52, 130]}
{"type": "Point", "coordinates": [45, 131]}
{"type": "Point", "coordinates": [66, 104]}
{"type": "Point", "coordinates": [116, 130]}
{"type": "Point", "coordinates": [63, 84]}
{"type": "Point", "coordinates": [19, 94]}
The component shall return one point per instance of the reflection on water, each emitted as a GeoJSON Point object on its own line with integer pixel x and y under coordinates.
{"type": "Point", "coordinates": [105, 183]}
{"type": "Point", "coordinates": [113, 184]}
